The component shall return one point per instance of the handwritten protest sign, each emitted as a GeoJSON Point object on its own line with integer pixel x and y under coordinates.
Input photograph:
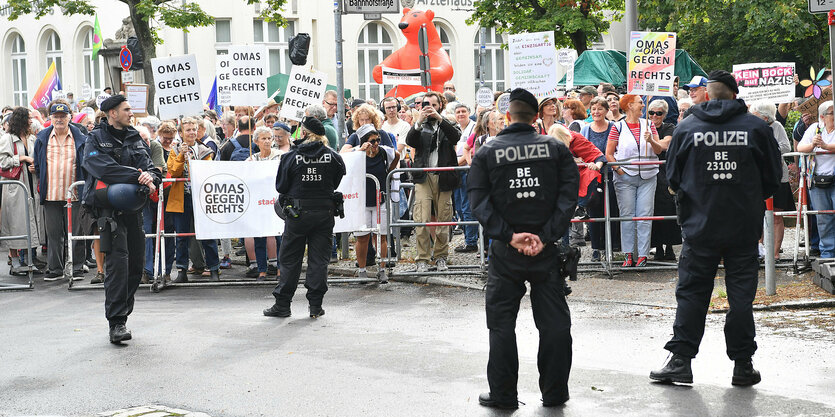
{"type": "Point", "coordinates": [810, 106]}
{"type": "Point", "coordinates": [242, 76]}
{"type": "Point", "coordinates": [177, 86]}
{"type": "Point", "coordinates": [305, 87]}
{"type": "Point", "coordinates": [652, 59]}
{"type": "Point", "coordinates": [533, 63]}
{"type": "Point", "coordinates": [567, 57]}
{"type": "Point", "coordinates": [769, 81]}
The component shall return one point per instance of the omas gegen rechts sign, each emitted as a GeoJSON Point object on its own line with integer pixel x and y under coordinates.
{"type": "Point", "coordinates": [224, 198]}
{"type": "Point", "coordinates": [177, 86]}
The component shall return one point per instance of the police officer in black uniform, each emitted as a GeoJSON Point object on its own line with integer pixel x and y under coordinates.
{"type": "Point", "coordinates": [523, 188]}
{"type": "Point", "coordinates": [722, 164]}
{"type": "Point", "coordinates": [307, 177]}
{"type": "Point", "coordinates": [116, 154]}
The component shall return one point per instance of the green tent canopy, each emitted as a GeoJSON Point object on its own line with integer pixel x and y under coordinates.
{"type": "Point", "coordinates": [595, 67]}
{"type": "Point", "coordinates": [279, 82]}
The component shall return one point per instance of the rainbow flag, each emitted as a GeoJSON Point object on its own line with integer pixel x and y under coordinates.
{"type": "Point", "coordinates": [49, 85]}
{"type": "Point", "coordinates": [97, 39]}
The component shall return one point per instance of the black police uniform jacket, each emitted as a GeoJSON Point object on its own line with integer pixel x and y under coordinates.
{"type": "Point", "coordinates": [722, 163]}
{"type": "Point", "coordinates": [522, 181]}
{"type": "Point", "coordinates": [113, 161]}
{"type": "Point", "coordinates": [309, 170]}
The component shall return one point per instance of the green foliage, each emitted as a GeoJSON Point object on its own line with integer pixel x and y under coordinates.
{"type": "Point", "coordinates": [720, 33]}
{"type": "Point", "coordinates": [791, 120]}
{"type": "Point", "coordinates": [574, 23]}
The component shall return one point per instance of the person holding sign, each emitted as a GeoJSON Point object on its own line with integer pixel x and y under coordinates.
{"type": "Point", "coordinates": [634, 139]}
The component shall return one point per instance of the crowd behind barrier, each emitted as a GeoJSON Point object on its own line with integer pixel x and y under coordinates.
{"type": "Point", "coordinates": [611, 208]}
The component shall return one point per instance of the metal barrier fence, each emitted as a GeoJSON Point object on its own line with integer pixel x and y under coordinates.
{"type": "Point", "coordinates": [30, 266]}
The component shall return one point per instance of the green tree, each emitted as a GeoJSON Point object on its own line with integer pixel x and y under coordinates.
{"type": "Point", "coordinates": [574, 23]}
{"type": "Point", "coordinates": [720, 33]}
{"type": "Point", "coordinates": [172, 13]}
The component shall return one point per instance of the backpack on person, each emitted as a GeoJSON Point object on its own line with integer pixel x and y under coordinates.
{"type": "Point", "coordinates": [240, 153]}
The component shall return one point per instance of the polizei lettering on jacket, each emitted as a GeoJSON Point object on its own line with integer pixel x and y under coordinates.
{"type": "Point", "coordinates": [726, 138]}
{"type": "Point", "coordinates": [523, 153]}
{"type": "Point", "coordinates": [324, 159]}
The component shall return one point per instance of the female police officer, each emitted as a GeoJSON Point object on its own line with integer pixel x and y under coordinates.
{"type": "Point", "coordinates": [307, 177]}
{"type": "Point", "coordinates": [523, 189]}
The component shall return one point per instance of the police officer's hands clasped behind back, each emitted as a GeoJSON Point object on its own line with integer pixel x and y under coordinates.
{"type": "Point", "coordinates": [307, 178]}
{"type": "Point", "coordinates": [120, 175]}
{"type": "Point", "coordinates": [722, 164]}
{"type": "Point", "coordinates": [523, 189]}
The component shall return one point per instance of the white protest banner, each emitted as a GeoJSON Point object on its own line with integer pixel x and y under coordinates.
{"type": "Point", "coordinates": [567, 57]}
{"type": "Point", "coordinates": [484, 97]}
{"type": "Point", "coordinates": [59, 94]}
{"type": "Point", "coordinates": [235, 198]}
{"type": "Point", "coordinates": [306, 86]}
{"type": "Point", "coordinates": [533, 63]}
{"type": "Point", "coordinates": [101, 97]}
{"type": "Point", "coordinates": [137, 95]}
{"type": "Point", "coordinates": [86, 92]}
{"type": "Point", "coordinates": [242, 76]}
{"type": "Point", "coordinates": [177, 86]}
{"type": "Point", "coordinates": [652, 59]}
{"type": "Point", "coordinates": [769, 81]}
{"type": "Point", "coordinates": [401, 76]}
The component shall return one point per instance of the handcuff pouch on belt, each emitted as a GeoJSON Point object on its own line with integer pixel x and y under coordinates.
{"type": "Point", "coordinates": [106, 225]}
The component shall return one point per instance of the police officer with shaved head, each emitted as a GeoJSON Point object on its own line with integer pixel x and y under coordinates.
{"type": "Point", "coordinates": [120, 175]}
{"type": "Point", "coordinates": [722, 163]}
{"type": "Point", "coordinates": [523, 188]}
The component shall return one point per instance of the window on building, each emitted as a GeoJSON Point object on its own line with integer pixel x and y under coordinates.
{"type": "Point", "coordinates": [54, 53]}
{"type": "Point", "coordinates": [92, 69]}
{"type": "Point", "coordinates": [446, 42]}
{"type": "Point", "coordinates": [373, 45]}
{"type": "Point", "coordinates": [19, 88]}
{"type": "Point", "coordinates": [494, 70]}
{"type": "Point", "coordinates": [223, 36]}
{"type": "Point", "coordinates": [276, 39]}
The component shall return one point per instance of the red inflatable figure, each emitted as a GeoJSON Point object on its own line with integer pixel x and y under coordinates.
{"type": "Point", "coordinates": [408, 56]}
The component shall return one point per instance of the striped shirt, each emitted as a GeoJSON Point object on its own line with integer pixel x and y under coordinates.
{"type": "Point", "coordinates": [60, 163]}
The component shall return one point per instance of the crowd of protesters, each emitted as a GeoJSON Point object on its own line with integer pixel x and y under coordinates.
{"type": "Point", "coordinates": [599, 124]}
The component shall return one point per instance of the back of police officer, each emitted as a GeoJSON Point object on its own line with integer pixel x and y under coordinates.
{"type": "Point", "coordinates": [115, 154]}
{"type": "Point", "coordinates": [722, 163]}
{"type": "Point", "coordinates": [307, 177]}
{"type": "Point", "coordinates": [523, 190]}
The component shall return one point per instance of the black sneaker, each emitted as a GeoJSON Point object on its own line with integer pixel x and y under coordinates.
{"type": "Point", "coordinates": [744, 374]}
{"type": "Point", "coordinates": [487, 401]}
{"type": "Point", "coordinates": [272, 269]}
{"type": "Point", "coordinates": [118, 334]}
{"type": "Point", "coordinates": [466, 249]}
{"type": "Point", "coordinates": [53, 276]}
{"type": "Point", "coordinates": [581, 214]}
{"type": "Point", "coordinates": [182, 276]}
{"type": "Point", "coordinates": [316, 311]}
{"type": "Point", "coordinates": [277, 311]}
{"type": "Point", "coordinates": [91, 263]}
{"type": "Point", "coordinates": [252, 272]}
{"type": "Point", "coordinates": [677, 369]}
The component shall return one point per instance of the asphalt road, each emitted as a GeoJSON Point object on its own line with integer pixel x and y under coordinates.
{"type": "Point", "coordinates": [391, 350]}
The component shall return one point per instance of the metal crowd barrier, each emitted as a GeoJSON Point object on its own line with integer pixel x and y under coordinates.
{"type": "Point", "coordinates": [16, 287]}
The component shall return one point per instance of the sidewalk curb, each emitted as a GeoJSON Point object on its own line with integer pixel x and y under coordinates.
{"type": "Point", "coordinates": [791, 305]}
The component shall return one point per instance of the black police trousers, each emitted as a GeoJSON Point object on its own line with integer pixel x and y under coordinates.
{"type": "Point", "coordinates": [696, 272]}
{"type": "Point", "coordinates": [123, 267]}
{"type": "Point", "coordinates": [552, 318]}
{"type": "Point", "coordinates": [313, 228]}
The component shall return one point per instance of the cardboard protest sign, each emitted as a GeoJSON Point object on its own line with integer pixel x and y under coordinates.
{"type": "Point", "coordinates": [769, 81]}
{"type": "Point", "coordinates": [177, 86]}
{"type": "Point", "coordinates": [137, 95]}
{"type": "Point", "coordinates": [652, 59]}
{"type": "Point", "coordinates": [242, 76]}
{"type": "Point", "coordinates": [306, 86]}
{"type": "Point", "coordinates": [810, 106]}
{"type": "Point", "coordinates": [533, 63]}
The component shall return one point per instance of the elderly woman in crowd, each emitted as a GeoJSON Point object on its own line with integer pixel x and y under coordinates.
{"type": "Point", "coordinates": [664, 232]}
{"type": "Point", "coordinates": [549, 112]}
{"type": "Point", "coordinates": [180, 200]}
{"type": "Point", "coordinates": [684, 106]}
{"type": "Point", "coordinates": [783, 198]}
{"type": "Point", "coordinates": [634, 139]}
{"type": "Point", "coordinates": [820, 136]}
{"type": "Point", "coordinates": [16, 148]}
{"type": "Point", "coordinates": [365, 114]}
{"type": "Point", "coordinates": [573, 114]}
{"type": "Point", "coordinates": [260, 248]}
{"type": "Point", "coordinates": [597, 132]}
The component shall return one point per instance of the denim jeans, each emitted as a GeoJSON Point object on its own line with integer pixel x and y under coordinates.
{"type": "Point", "coordinates": [261, 251]}
{"type": "Point", "coordinates": [824, 199]}
{"type": "Point", "coordinates": [149, 225]}
{"type": "Point", "coordinates": [636, 198]}
{"type": "Point", "coordinates": [184, 223]}
{"type": "Point", "coordinates": [462, 208]}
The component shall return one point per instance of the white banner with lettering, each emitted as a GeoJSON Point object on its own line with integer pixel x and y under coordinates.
{"type": "Point", "coordinates": [235, 198]}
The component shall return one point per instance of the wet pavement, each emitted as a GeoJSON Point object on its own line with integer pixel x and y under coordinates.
{"type": "Point", "coordinates": [381, 350]}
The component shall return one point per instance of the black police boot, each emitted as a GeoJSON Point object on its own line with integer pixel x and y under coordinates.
{"type": "Point", "coordinates": [677, 369]}
{"type": "Point", "coordinates": [486, 400]}
{"type": "Point", "coordinates": [316, 311]}
{"type": "Point", "coordinates": [215, 275]}
{"type": "Point", "coordinates": [277, 311]}
{"type": "Point", "coordinates": [182, 276]}
{"type": "Point", "coordinates": [118, 334]}
{"type": "Point", "coordinates": [745, 374]}
{"type": "Point", "coordinates": [555, 403]}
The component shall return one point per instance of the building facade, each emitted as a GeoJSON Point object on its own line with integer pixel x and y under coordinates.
{"type": "Point", "coordinates": [32, 45]}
